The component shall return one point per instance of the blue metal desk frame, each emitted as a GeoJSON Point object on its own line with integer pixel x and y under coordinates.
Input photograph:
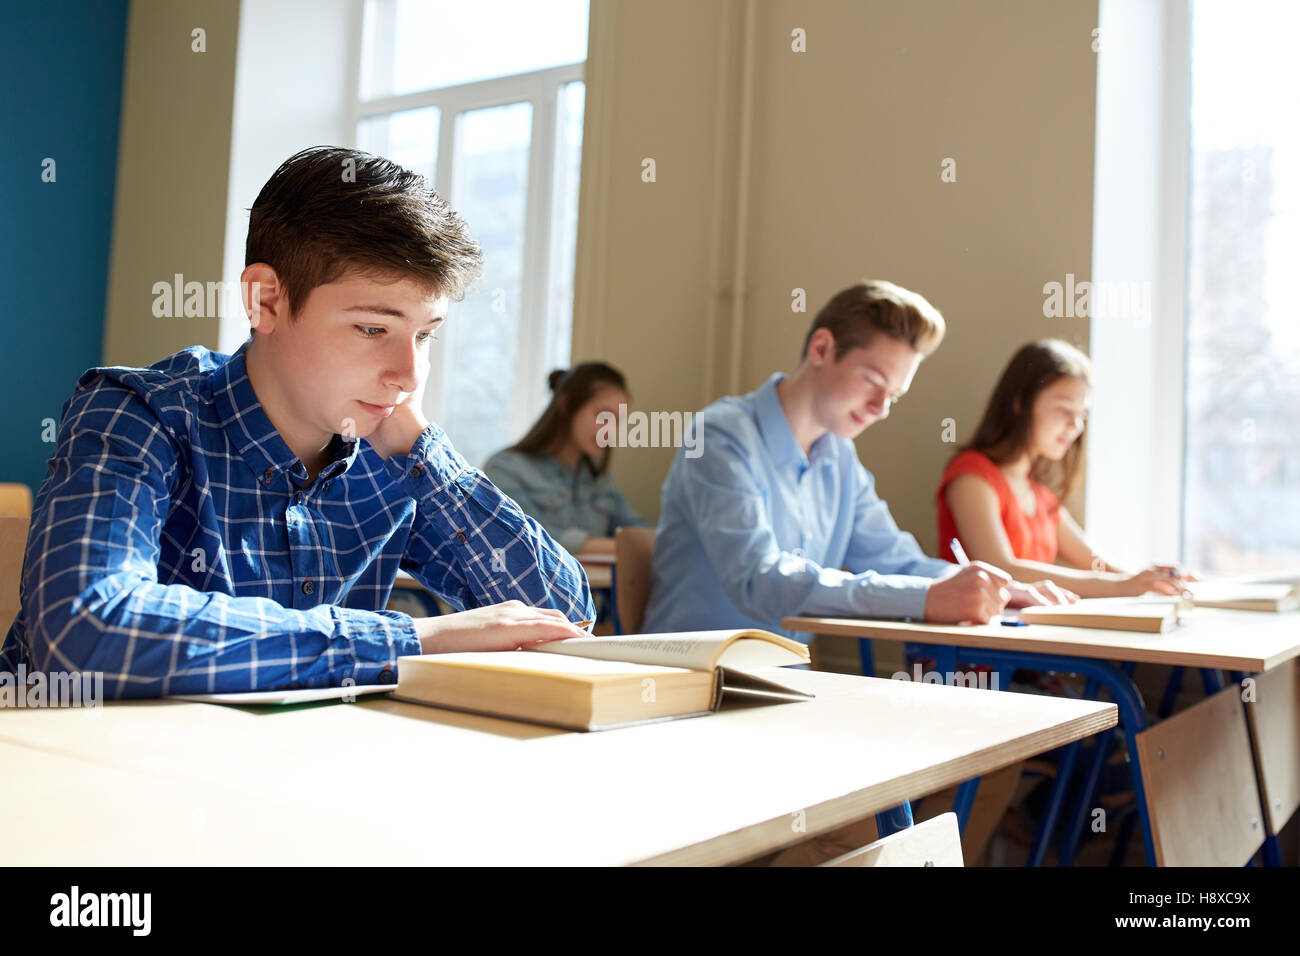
{"type": "Point", "coordinates": [1118, 682]}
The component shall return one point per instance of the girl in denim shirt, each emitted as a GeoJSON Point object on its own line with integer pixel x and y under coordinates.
{"type": "Point", "coordinates": [559, 472]}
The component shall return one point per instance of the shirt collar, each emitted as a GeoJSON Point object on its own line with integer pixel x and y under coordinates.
{"type": "Point", "coordinates": [250, 430]}
{"type": "Point", "coordinates": [776, 431]}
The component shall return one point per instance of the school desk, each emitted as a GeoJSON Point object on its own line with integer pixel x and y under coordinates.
{"type": "Point", "coordinates": [599, 575]}
{"type": "Point", "coordinates": [1207, 638]}
{"type": "Point", "coordinates": [380, 781]}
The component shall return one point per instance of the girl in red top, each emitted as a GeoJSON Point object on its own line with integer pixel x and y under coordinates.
{"type": "Point", "coordinates": [1001, 495]}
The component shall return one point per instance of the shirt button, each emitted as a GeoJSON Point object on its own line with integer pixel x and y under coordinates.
{"type": "Point", "coordinates": [266, 475]}
{"type": "Point", "coordinates": [297, 498]}
{"type": "Point", "coordinates": [417, 471]}
{"type": "Point", "coordinates": [308, 587]}
{"type": "Point", "coordinates": [386, 676]}
{"type": "Point", "coordinates": [460, 536]}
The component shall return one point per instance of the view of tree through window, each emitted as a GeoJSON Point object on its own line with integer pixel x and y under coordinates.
{"type": "Point", "coordinates": [1241, 509]}
{"type": "Point", "coordinates": [494, 121]}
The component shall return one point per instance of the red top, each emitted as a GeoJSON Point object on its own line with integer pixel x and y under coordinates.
{"type": "Point", "coordinates": [1032, 538]}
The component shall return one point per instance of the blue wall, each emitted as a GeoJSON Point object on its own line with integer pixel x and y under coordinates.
{"type": "Point", "coordinates": [63, 64]}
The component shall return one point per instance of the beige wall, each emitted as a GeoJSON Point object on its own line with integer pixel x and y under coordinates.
{"type": "Point", "coordinates": [774, 170]}
{"type": "Point", "coordinates": [778, 170]}
{"type": "Point", "coordinates": [173, 167]}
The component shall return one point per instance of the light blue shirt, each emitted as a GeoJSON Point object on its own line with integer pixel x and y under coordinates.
{"type": "Point", "coordinates": [752, 530]}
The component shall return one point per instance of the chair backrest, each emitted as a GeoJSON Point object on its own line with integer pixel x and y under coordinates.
{"type": "Point", "coordinates": [1199, 776]}
{"type": "Point", "coordinates": [1274, 718]}
{"type": "Point", "coordinates": [13, 542]}
{"type": "Point", "coordinates": [634, 551]}
{"type": "Point", "coordinates": [15, 500]}
{"type": "Point", "coordinates": [936, 842]}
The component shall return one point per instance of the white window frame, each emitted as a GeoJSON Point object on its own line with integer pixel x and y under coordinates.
{"type": "Point", "coordinates": [540, 88]}
{"type": "Point", "coordinates": [1136, 445]}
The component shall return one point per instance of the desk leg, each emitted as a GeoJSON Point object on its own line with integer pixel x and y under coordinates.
{"type": "Point", "coordinates": [1132, 713]}
{"type": "Point", "coordinates": [866, 656]}
{"type": "Point", "coordinates": [1064, 771]}
{"type": "Point", "coordinates": [1075, 823]}
{"type": "Point", "coordinates": [964, 801]}
{"type": "Point", "coordinates": [891, 821]}
{"type": "Point", "coordinates": [1171, 692]}
{"type": "Point", "coordinates": [945, 663]}
{"type": "Point", "coordinates": [613, 605]}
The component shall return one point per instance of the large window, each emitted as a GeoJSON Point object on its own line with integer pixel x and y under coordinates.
{"type": "Point", "coordinates": [1194, 439]}
{"type": "Point", "coordinates": [1241, 506]}
{"type": "Point", "coordinates": [486, 100]}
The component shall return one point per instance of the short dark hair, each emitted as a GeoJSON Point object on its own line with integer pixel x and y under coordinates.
{"type": "Point", "coordinates": [857, 314]}
{"type": "Point", "coordinates": [328, 211]}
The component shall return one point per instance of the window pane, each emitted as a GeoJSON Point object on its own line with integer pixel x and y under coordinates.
{"type": "Point", "coordinates": [564, 217]}
{"type": "Point", "coordinates": [1242, 462]}
{"type": "Point", "coordinates": [408, 138]}
{"type": "Point", "coordinates": [490, 189]}
{"type": "Point", "coordinates": [412, 45]}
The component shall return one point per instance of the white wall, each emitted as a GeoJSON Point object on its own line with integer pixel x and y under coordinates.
{"type": "Point", "coordinates": [293, 78]}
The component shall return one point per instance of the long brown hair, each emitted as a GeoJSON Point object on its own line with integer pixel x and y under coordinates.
{"type": "Point", "coordinates": [1003, 432]}
{"type": "Point", "coordinates": [570, 390]}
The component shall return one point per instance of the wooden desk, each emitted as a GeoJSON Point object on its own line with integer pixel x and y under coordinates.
{"type": "Point", "coordinates": [598, 576]}
{"type": "Point", "coordinates": [380, 781]}
{"type": "Point", "coordinates": [1207, 638]}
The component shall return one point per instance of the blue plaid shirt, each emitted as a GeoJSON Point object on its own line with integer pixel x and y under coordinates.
{"type": "Point", "coordinates": [173, 549]}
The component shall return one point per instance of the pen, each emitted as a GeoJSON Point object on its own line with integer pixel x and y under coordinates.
{"type": "Point", "coordinates": [960, 554]}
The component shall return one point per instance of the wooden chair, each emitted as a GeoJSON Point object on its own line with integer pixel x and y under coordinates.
{"type": "Point", "coordinates": [936, 842]}
{"type": "Point", "coordinates": [13, 544]}
{"type": "Point", "coordinates": [634, 551]}
{"type": "Point", "coordinates": [15, 500]}
{"type": "Point", "coordinates": [1199, 776]}
{"type": "Point", "coordinates": [1274, 720]}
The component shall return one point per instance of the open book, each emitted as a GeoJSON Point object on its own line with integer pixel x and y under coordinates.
{"type": "Point", "coordinates": [598, 683]}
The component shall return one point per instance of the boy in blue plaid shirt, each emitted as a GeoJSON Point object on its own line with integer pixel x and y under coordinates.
{"type": "Point", "coordinates": [232, 523]}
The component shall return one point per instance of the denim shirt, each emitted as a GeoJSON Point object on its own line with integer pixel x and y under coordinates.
{"type": "Point", "coordinates": [543, 487]}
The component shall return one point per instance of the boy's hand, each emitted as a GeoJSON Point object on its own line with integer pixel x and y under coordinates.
{"type": "Point", "coordinates": [975, 593]}
{"type": "Point", "coordinates": [510, 626]}
{"type": "Point", "coordinates": [398, 432]}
